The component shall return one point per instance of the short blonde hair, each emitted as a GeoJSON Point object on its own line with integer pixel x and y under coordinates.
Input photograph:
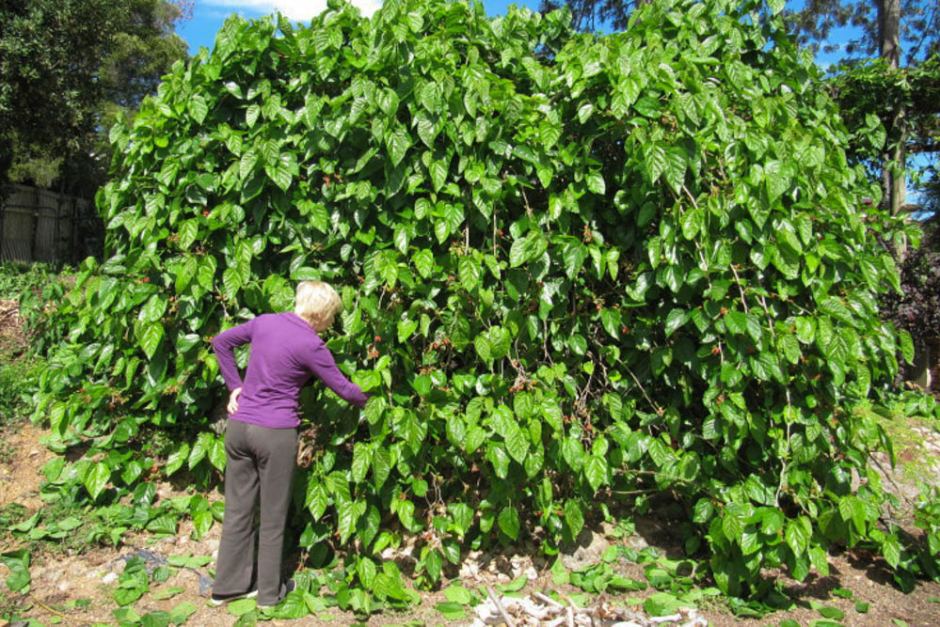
{"type": "Point", "coordinates": [316, 302]}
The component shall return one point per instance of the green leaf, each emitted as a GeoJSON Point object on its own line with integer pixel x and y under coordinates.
{"type": "Point", "coordinates": [527, 249]}
{"type": "Point", "coordinates": [180, 613]}
{"type": "Point", "coordinates": [692, 223]}
{"type": "Point", "coordinates": [907, 346]}
{"type": "Point", "coordinates": [516, 444]}
{"type": "Point", "coordinates": [216, 453]}
{"type": "Point", "coordinates": [675, 166]}
{"type": "Point", "coordinates": [406, 329]}
{"type": "Point", "coordinates": [153, 309]}
{"type": "Point", "coordinates": [149, 337]}
{"type": "Point", "coordinates": [790, 348]}
{"type": "Point", "coordinates": [456, 593]}
{"type": "Point", "coordinates": [595, 470]}
{"type": "Point", "coordinates": [891, 550]}
{"type": "Point", "coordinates": [515, 585]}
{"type": "Point", "coordinates": [167, 593]}
{"type": "Point", "coordinates": [611, 321]}
{"type": "Point", "coordinates": [198, 108]}
{"type": "Point", "coordinates": [294, 606]}
{"type": "Point", "coordinates": [469, 271]}
{"type": "Point", "coordinates": [438, 171]}
{"type": "Point", "coordinates": [574, 518]}
{"type": "Point", "coordinates": [423, 261]}
{"type": "Point", "coordinates": [675, 319]}
{"type": "Point", "coordinates": [282, 170]}
{"type": "Point", "coordinates": [433, 563]}
{"type": "Point", "coordinates": [805, 330]}
{"type": "Point", "coordinates": [832, 613]}
{"type": "Point", "coordinates": [398, 143]}
{"type": "Point", "coordinates": [97, 479]}
{"type": "Point", "coordinates": [584, 112]}
{"type": "Point", "coordinates": [451, 611]}
{"type": "Point", "coordinates": [188, 232]}
{"type": "Point", "coordinates": [246, 165]}
{"type": "Point", "coordinates": [17, 562]}
{"type": "Point", "coordinates": [155, 619]}
{"type": "Point", "coordinates": [662, 604]}
{"type": "Point", "coordinates": [241, 607]}
{"type": "Point", "coordinates": [508, 521]}
{"type": "Point", "coordinates": [574, 254]}
{"type": "Point", "coordinates": [798, 535]}
{"type": "Point", "coordinates": [595, 183]}
{"type": "Point", "coordinates": [251, 115]}
{"type": "Point", "coordinates": [361, 460]}
{"type": "Point", "coordinates": [177, 458]}
{"type": "Point", "coordinates": [654, 158]}
{"type": "Point", "coordinates": [736, 322]}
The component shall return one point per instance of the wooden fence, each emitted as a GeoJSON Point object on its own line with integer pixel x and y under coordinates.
{"type": "Point", "coordinates": [40, 225]}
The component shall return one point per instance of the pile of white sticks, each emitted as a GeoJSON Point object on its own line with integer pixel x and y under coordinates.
{"type": "Point", "coordinates": [541, 610]}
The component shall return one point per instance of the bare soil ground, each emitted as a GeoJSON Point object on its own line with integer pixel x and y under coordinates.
{"type": "Point", "coordinates": [12, 341]}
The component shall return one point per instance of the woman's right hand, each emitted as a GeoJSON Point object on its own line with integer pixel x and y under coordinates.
{"type": "Point", "coordinates": [233, 400]}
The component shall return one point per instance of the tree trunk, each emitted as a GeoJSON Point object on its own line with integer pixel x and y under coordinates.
{"type": "Point", "coordinates": [893, 179]}
{"type": "Point", "coordinates": [889, 29]}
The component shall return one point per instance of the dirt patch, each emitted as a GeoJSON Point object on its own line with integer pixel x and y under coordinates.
{"type": "Point", "coordinates": [869, 582]}
{"type": "Point", "coordinates": [12, 338]}
{"type": "Point", "coordinates": [21, 459]}
{"type": "Point", "coordinates": [91, 576]}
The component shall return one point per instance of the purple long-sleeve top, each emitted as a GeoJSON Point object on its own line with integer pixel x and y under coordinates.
{"type": "Point", "coordinates": [285, 353]}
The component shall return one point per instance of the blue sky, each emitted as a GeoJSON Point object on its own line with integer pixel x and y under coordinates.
{"type": "Point", "coordinates": [208, 15]}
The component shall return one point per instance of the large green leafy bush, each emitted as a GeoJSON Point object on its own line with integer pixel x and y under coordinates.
{"type": "Point", "coordinates": [576, 269]}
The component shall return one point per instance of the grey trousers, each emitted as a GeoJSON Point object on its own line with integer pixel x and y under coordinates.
{"type": "Point", "coordinates": [259, 461]}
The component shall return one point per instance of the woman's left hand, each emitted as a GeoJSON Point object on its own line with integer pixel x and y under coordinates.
{"type": "Point", "coordinates": [233, 400]}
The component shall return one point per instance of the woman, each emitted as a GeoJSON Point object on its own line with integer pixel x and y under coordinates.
{"type": "Point", "coordinates": [261, 435]}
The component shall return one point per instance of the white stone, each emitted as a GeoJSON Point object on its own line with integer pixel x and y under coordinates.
{"type": "Point", "coordinates": [109, 578]}
{"type": "Point", "coordinates": [469, 569]}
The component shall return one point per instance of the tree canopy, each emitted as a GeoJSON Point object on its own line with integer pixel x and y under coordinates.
{"type": "Point", "coordinates": [918, 27]}
{"type": "Point", "coordinates": [592, 15]}
{"type": "Point", "coordinates": [67, 68]}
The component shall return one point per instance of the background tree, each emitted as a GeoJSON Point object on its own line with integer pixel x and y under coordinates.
{"type": "Point", "coordinates": [894, 30]}
{"type": "Point", "coordinates": [67, 69]}
{"type": "Point", "coordinates": [589, 15]}
{"type": "Point", "coordinates": [883, 26]}
{"type": "Point", "coordinates": [903, 33]}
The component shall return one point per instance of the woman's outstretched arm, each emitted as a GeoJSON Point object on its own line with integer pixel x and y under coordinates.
{"type": "Point", "coordinates": [323, 366]}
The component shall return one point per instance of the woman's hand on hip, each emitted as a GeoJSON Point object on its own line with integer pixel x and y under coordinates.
{"type": "Point", "coordinates": [233, 400]}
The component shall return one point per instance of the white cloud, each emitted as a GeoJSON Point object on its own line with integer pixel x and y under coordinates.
{"type": "Point", "coordinates": [301, 10]}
